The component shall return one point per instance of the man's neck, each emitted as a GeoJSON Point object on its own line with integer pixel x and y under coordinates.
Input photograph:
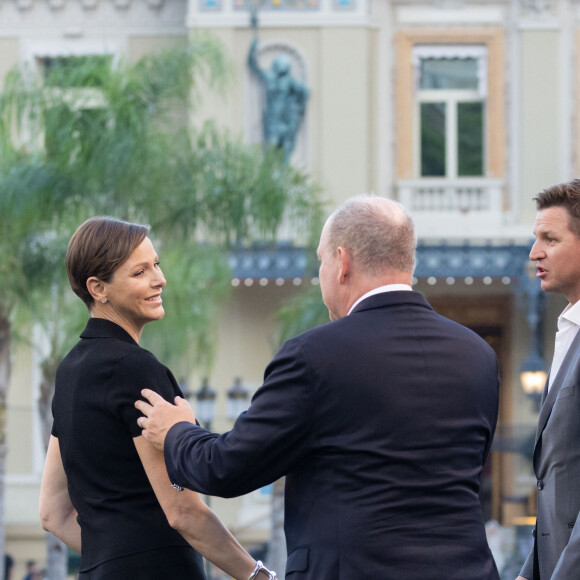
{"type": "Point", "coordinates": [369, 284]}
{"type": "Point", "coordinates": [379, 290]}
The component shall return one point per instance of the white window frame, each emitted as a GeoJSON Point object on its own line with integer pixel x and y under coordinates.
{"type": "Point", "coordinates": [451, 98]}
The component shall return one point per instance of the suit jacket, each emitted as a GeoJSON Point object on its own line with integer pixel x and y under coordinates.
{"type": "Point", "coordinates": [557, 469]}
{"type": "Point", "coordinates": [381, 422]}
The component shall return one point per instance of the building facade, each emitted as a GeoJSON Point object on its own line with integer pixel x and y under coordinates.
{"type": "Point", "coordinates": [461, 109]}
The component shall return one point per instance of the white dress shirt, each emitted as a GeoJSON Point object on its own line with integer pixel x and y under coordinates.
{"type": "Point", "coordinates": [380, 290]}
{"type": "Point", "coordinates": [568, 325]}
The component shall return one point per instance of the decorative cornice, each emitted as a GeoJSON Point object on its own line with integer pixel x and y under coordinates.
{"type": "Point", "coordinates": [433, 260]}
{"type": "Point", "coordinates": [446, 3]}
{"type": "Point", "coordinates": [539, 13]}
{"type": "Point", "coordinates": [89, 4]}
{"type": "Point", "coordinates": [56, 4]}
{"type": "Point", "coordinates": [108, 22]}
{"type": "Point", "coordinates": [326, 14]}
{"type": "Point", "coordinates": [270, 262]}
{"type": "Point", "coordinates": [537, 7]}
{"type": "Point", "coordinates": [25, 5]}
{"type": "Point", "coordinates": [476, 261]}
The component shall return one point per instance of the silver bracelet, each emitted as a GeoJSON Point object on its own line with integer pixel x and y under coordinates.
{"type": "Point", "coordinates": [261, 568]}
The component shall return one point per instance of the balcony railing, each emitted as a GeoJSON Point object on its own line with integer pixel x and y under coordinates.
{"type": "Point", "coordinates": [453, 206]}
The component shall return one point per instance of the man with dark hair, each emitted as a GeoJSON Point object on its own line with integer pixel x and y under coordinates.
{"type": "Point", "coordinates": [381, 421]}
{"type": "Point", "coordinates": [31, 570]}
{"type": "Point", "coordinates": [8, 565]}
{"type": "Point", "coordinates": [556, 251]}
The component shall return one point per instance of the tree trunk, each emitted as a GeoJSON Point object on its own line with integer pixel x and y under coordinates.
{"type": "Point", "coordinates": [277, 552]}
{"type": "Point", "coordinates": [47, 382]}
{"type": "Point", "coordinates": [56, 551]}
{"type": "Point", "coordinates": [5, 369]}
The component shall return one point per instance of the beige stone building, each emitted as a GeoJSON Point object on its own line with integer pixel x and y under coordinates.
{"type": "Point", "coordinates": [460, 109]}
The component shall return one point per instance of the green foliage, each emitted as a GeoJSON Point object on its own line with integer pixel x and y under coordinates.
{"type": "Point", "coordinates": [95, 137]}
{"type": "Point", "coordinates": [48, 303]}
{"type": "Point", "coordinates": [243, 193]}
{"type": "Point", "coordinates": [89, 71]}
{"type": "Point", "coordinates": [302, 313]}
{"type": "Point", "coordinates": [112, 138]}
{"type": "Point", "coordinates": [24, 208]}
{"type": "Point", "coordinates": [198, 280]}
{"type": "Point", "coordinates": [99, 137]}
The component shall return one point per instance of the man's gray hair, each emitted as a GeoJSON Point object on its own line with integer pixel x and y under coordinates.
{"type": "Point", "coordinates": [380, 236]}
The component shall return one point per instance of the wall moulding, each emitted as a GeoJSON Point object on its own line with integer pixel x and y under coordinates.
{"type": "Point", "coordinates": [25, 5]}
{"type": "Point", "coordinates": [46, 20]}
{"type": "Point", "coordinates": [56, 4]}
{"type": "Point", "coordinates": [538, 7]}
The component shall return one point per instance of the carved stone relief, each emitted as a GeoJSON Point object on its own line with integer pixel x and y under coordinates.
{"type": "Point", "coordinates": [449, 4]}
{"type": "Point", "coordinates": [56, 4]}
{"type": "Point", "coordinates": [537, 8]}
{"type": "Point", "coordinates": [89, 4]}
{"type": "Point", "coordinates": [24, 4]}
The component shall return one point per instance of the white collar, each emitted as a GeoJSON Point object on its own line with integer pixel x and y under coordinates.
{"type": "Point", "coordinates": [572, 313]}
{"type": "Point", "coordinates": [380, 290]}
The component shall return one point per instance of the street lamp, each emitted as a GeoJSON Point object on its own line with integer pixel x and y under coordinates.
{"type": "Point", "coordinates": [237, 399]}
{"type": "Point", "coordinates": [533, 378]}
{"type": "Point", "coordinates": [533, 374]}
{"type": "Point", "coordinates": [205, 408]}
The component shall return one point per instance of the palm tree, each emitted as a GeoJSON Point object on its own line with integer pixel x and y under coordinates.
{"type": "Point", "coordinates": [91, 138]}
{"type": "Point", "coordinates": [23, 210]}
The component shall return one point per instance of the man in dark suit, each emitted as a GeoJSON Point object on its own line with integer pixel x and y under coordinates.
{"type": "Point", "coordinates": [381, 421]}
{"type": "Point", "coordinates": [556, 251]}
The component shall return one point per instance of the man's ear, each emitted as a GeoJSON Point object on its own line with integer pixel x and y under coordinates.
{"type": "Point", "coordinates": [96, 289]}
{"type": "Point", "coordinates": [344, 264]}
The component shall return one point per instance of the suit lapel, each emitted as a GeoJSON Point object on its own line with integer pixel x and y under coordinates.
{"type": "Point", "coordinates": [549, 397]}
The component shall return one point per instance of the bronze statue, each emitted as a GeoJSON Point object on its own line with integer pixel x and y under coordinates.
{"type": "Point", "coordinates": [285, 104]}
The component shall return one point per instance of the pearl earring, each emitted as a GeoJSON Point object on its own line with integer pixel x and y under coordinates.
{"type": "Point", "coordinates": [104, 301]}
